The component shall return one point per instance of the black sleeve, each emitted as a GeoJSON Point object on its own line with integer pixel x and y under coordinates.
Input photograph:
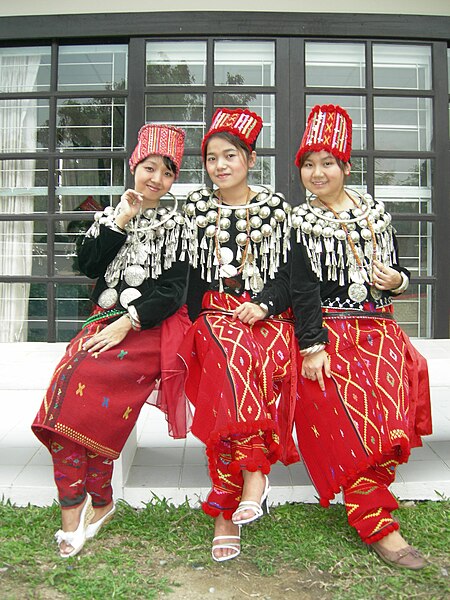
{"type": "Point", "coordinates": [95, 253]}
{"type": "Point", "coordinates": [276, 293]}
{"type": "Point", "coordinates": [306, 299]}
{"type": "Point", "coordinates": [164, 298]}
{"type": "Point", "coordinates": [196, 288]}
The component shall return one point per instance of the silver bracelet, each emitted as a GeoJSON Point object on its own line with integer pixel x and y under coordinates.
{"type": "Point", "coordinates": [116, 227]}
{"type": "Point", "coordinates": [312, 349]}
{"type": "Point", "coordinates": [403, 286]}
{"type": "Point", "coordinates": [264, 307]}
{"type": "Point", "coordinates": [134, 318]}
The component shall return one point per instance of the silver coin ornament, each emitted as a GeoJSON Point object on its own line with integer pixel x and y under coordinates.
{"type": "Point", "coordinates": [256, 283]}
{"type": "Point", "coordinates": [228, 271]}
{"type": "Point", "coordinates": [134, 275]}
{"type": "Point", "coordinates": [375, 293]}
{"type": "Point", "coordinates": [241, 225]}
{"type": "Point", "coordinates": [128, 296]}
{"type": "Point", "coordinates": [226, 256]}
{"type": "Point", "coordinates": [357, 292]}
{"type": "Point", "coordinates": [108, 298]}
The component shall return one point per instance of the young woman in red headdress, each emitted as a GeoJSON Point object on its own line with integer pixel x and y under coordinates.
{"type": "Point", "coordinates": [126, 346]}
{"type": "Point", "coordinates": [237, 371]}
{"type": "Point", "coordinates": [356, 424]}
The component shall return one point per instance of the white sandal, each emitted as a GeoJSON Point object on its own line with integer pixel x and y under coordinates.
{"type": "Point", "coordinates": [93, 528]}
{"type": "Point", "coordinates": [235, 546]}
{"type": "Point", "coordinates": [258, 509]}
{"type": "Point", "coordinates": [76, 538]}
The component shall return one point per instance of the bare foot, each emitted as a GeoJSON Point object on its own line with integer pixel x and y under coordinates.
{"type": "Point", "coordinates": [100, 512]}
{"type": "Point", "coordinates": [392, 542]}
{"type": "Point", "coordinates": [253, 490]}
{"type": "Point", "coordinates": [225, 528]}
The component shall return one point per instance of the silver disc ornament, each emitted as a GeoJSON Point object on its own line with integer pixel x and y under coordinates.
{"type": "Point", "coordinates": [134, 275]}
{"type": "Point", "coordinates": [128, 296]}
{"type": "Point", "coordinates": [108, 298]}
{"type": "Point", "coordinates": [375, 293]}
{"type": "Point", "coordinates": [357, 292]}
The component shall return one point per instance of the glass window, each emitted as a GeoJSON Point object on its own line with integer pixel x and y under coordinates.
{"type": "Point", "coordinates": [358, 175]}
{"type": "Point", "coordinates": [448, 69]}
{"type": "Point", "coordinates": [330, 65]}
{"type": "Point", "coordinates": [263, 173]}
{"type": "Point", "coordinates": [356, 108]}
{"type": "Point", "coordinates": [23, 186]}
{"type": "Point", "coordinates": [14, 324]}
{"type": "Point", "coordinates": [244, 63]}
{"type": "Point", "coordinates": [176, 63]}
{"type": "Point", "coordinates": [25, 69]}
{"type": "Point", "coordinates": [91, 124]}
{"type": "Point", "coordinates": [92, 67]}
{"type": "Point", "coordinates": [24, 125]}
{"type": "Point", "coordinates": [73, 307]}
{"type": "Point", "coordinates": [403, 123]}
{"type": "Point", "coordinates": [406, 183]}
{"type": "Point", "coordinates": [183, 110]}
{"type": "Point", "coordinates": [413, 310]}
{"type": "Point", "coordinates": [262, 104]}
{"type": "Point", "coordinates": [402, 66]}
{"type": "Point", "coordinates": [415, 246]}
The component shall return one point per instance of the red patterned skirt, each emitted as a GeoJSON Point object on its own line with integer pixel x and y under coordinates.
{"type": "Point", "coordinates": [95, 399]}
{"type": "Point", "coordinates": [376, 403]}
{"type": "Point", "coordinates": [242, 382]}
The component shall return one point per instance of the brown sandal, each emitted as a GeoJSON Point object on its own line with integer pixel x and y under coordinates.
{"type": "Point", "coordinates": [405, 558]}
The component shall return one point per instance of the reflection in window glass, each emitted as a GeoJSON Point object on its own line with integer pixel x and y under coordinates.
{"type": "Point", "coordinates": [404, 183]}
{"type": "Point", "coordinates": [356, 108]}
{"type": "Point", "coordinates": [358, 175]}
{"type": "Point", "coordinates": [102, 67]}
{"type": "Point", "coordinates": [68, 237]}
{"type": "Point", "coordinates": [183, 110]}
{"type": "Point", "coordinates": [91, 124]}
{"type": "Point", "coordinates": [25, 125]}
{"type": "Point", "coordinates": [73, 306]}
{"type": "Point", "coordinates": [244, 63]}
{"type": "Point", "coordinates": [23, 186]}
{"type": "Point", "coordinates": [262, 104]}
{"type": "Point", "coordinates": [176, 63]}
{"type": "Point", "coordinates": [14, 298]}
{"type": "Point", "coordinates": [263, 173]}
{"type": "Point", "coordinates": [402, 66]}
{"type": "Point", "coordinates": [413, 310]}
{"type": "Point", "coordinates": [25, 69]}
{"type": "Point", "coordinates": [191, 172]}
{"type": "Point", "coordinates": [415, 246]}
{"type": "Point", "coordinates": [403, 123]}
{"type": "Point", "coordinates": [335, 65]}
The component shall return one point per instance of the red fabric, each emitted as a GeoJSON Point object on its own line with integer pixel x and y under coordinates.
{"type": "Point", "coordinates": [78, 470]}
{"type": "Point", "coordinates": [370, 406]}
{"type": "Point", "coordinates": [95, 399]}
{"type": "Point", "coordinates": [235, 374]}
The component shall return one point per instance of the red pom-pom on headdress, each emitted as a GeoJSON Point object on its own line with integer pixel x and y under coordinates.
{"type": "Point", "coordinates": [241, 122]}
{"type": "Point", "coordinates": [328, 128]}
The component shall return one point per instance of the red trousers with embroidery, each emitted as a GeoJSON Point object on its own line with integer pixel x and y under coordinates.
{"type": "Point", "coordinates": [369, 502]}
{"type": "Point", "coordinates": [78, 470]}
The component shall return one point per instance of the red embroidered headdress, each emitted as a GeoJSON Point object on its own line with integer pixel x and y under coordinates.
{"type": "Point", "coordinates": [163, 140]}
{"type": "Point", "coordinates": [328, 128]}
{"type": "Point", "coordinates": [241, 122]}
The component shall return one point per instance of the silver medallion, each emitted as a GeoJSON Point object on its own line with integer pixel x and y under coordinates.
{"type": "Point", "coordinates": [357, 292]}
{"type": "Point", "coordinates": [375, 293]}
{"type": "Point", "coordinates": [108, 298]}
{"type": "Point", "coordinates": [226, 256]}
{"type": "Point", "coordinates": [257, 283]}
{"type": "Point", "coordinates": [228, 271]}
{"type": "Point", "coordinates": [128, 296]}
{"type": "Point", "coordinates": [134, 275]}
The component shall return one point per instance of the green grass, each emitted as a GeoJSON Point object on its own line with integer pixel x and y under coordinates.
{"type": "Point", "coordinates": [133, 557]}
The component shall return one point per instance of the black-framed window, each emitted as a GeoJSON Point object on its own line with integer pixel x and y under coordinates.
{"type": "Point", "coordinates": [82, 104]}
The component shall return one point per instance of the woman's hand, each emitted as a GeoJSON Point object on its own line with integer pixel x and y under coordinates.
{"type": "Point", "coordinates": [384, 277]}
{"type": "Point", "coordinates": [314, 365]}
{"type": "Point", "coordinates": [249, 313]}
{"type": "Point", "coordinates": [129, 206]}
{"type": "Point", "coordinates": [109, 337]}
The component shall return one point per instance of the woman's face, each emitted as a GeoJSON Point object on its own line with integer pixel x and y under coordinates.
{"type": "Point", "coordinates": [153, 179]}
{"type": "Point", "coordinates": [322, 175]}
{"type": "Point", "coordinates": [227, 165]}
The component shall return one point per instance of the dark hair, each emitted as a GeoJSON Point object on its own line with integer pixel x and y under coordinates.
{"type": "Point", "coordinates": [229, 137]}
{"type": "Point", "coordinates": [341, 164]}
{"type": "Point", "coordinates": [168, 162]}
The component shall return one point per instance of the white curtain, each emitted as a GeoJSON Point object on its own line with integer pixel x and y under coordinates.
{"type": "Point", "coordinates": [18, 124]}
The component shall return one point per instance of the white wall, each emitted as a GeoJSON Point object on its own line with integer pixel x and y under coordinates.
{"type": "Point", "coordinates": [55, 7]}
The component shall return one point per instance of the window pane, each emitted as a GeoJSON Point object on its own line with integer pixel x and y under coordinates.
{"type": "Point", "coordinates": [405, 183]}
{"type": "Point", "coordinates": [183, 110]}
{"type": "Point", "coordinates": [191, 172]}
{"type": "Point", "coordinates": [358, 175]}
{"type": "Point", "coordinates": [356, 108]}
{"type": "Point", "coordinates": [401, 66]}
{"type": "Point", "coordinates": [413, 310]}
{"type": "Point", "coordinates": [91, 124]}
{"type": "Point", "coordinates": [68, 237]}
{"type": "Point", "coordinates": [24, 69]}
{"type": "Point", "coordinates": [23, 186]}
{"type": "Point", "coordinates": [415, 246]}
{"type": "Point", "coordinates": [176, 63]}
{"type": "Point", "coordinates": [88, 184]}
{"type": "Point", "coordinates": [244, 63]}
{"type": "Point", "coordinates": [448, 68]}
{"type": "Point", "coordinates": [262, 104]}
{"type": "Point", "coordinates": [263, 173]}
{"type": "Point", "coordinates": [73, 307]}
{"type": "Point", "coordinates": [403, 123]}
{"type": "Point", "coordinates": [92, 67]}
{"type": "Point", "coordinates": [17, 242]}
{"type": "Point", "coordinates": [24, 125]}
{"type": "Point", "coordinates": [335, 65]}
{"type": "Point", "coordinates": [14, 311]}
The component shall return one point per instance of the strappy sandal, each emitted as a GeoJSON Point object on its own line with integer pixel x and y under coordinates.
{"type": "Point", "coordinates": [258, 509]}
{"type": "Point", "coordinates": [234, 546]}
{"type": "Point", "coordinates": [93, 528]}
{"type": "Point", "coordinates": [76, 538]}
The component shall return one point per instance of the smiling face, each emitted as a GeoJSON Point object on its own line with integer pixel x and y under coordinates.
{"type": "Point", "coordinates": [227, 165]}
{"type": "Point", "coordinates": [323, 175]}
{"type": "Point", "coordinates": [153, 178]}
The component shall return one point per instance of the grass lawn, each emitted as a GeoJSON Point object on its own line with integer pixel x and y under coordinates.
{"type": "Point", "coordinates": [299, 551]}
